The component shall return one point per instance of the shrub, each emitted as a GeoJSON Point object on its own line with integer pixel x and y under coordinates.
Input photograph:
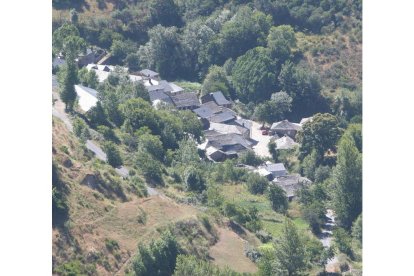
{"type": "Point", "coordinates": [250, 158]}
{"type": "Point", "coordinates": [112, 154]}
{"type": "Point", "coordinates": [111, 245]}
{"type": "Point", "coordinates": [256, 184]}
{"type": "Point", "coordinates": [81, 130]}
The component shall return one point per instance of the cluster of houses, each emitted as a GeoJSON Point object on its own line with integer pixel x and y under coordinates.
{"type": "Point", "coordinates": [226, 134]}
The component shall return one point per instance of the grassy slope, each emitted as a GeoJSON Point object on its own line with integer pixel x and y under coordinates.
{"type": "Point", "coordinates": [94, 218]}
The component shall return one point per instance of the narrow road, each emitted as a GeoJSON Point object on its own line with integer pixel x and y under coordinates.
{"type": "Point", "coordinates": [58, 111]}
{"type": "Point", "coordinates": [326, 237]}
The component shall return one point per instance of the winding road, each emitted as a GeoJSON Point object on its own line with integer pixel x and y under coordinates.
{"type": "Point", "coordinates": [58, 111]}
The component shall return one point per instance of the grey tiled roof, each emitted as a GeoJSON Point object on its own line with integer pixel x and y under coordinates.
{"type": "Point", "coordinates": [149, 73]}
{"type": "Point", "coordinates": [219, 98]}
{"type": "Point", "coordinates": [186, 100]}
{"type": "Point", "coordinates": [222, 117]}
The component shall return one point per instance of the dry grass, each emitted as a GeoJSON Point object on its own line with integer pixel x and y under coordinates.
{"type": "Point", "coordinates": [228, 251]}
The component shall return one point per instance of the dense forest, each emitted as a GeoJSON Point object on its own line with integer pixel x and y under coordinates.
{"type": "Point", "coordinates": [276, 60]}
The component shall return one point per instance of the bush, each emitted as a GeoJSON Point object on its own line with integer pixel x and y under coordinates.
{"type": "Point", "coordinates": [250, 158]}
{"type": "Point", "coordinates": [194, 180]}
{"type": "Point", "coordinates": [112, 154]}
{"type": "Point", "coordinates": [343, 241]}
{"type": "Point", "coordinates": [256, 184]}
{"type": "Point", "coordinates": [108, 133]}
{"type": "Point", "coordinates": [111, 245]}
{"type": "Point", "coordinates": [81, 130]}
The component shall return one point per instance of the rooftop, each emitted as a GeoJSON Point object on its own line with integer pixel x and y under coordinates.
{"type": "Point", "coordinates": [219, 98]}
{"type": "Point", "coordinates": [149, 73]}
{"type": "Point", "coordinates": [185, 100]}
{"type": "Point", "coordinates": [223, 117]}
{"type": "Point", "coordinates": [275, 167]}
{"type": "Point", "coordinates": [285, 125]}
{"type": "Point", "coordinates": [223, 128]}
{"type": "Point", "coordinates": [285, 143]}
{"type": "Point", "coordinates": [87, 97]}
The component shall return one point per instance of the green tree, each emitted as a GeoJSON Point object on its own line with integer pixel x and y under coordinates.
{"type": "Point", "coordinates": [290, 252]}
{"type": "Point", "coordinates": [275, 109]}
{"type": "Point", "coordinates": [151, 144]}
{"type": "Point", "coordinates": [273, 151]}
{"type": "Point", "coordinates": [67, 78]}
{"type": "Point", "coordinates": [194, 180]}
{"type": "Point", "coordinates": [256, 184]}
{"type": "Point", "coordinates": [216, 80]}
{"type": "Point", "coordinates": [280, 41]}
{"type": "Point", "coordinates": [277, 197]}
{"type": "Point", "coordinates": [343, 241]}
{"type": "Point", "coordinates": [74, 17]}
{"type": "Point", "coordinates": [163, 52]}
{"type": "Point", "coordinates": [347, 182]}
{"type": "Point", "coordinates": [309, 164]}
{"type": "Point", "coordinates": [113, 155]}
{"type": "Point", "coordinates": [321, 134]}
{"type": "Point", "coordinates": [81, 129]}
{"type": "Point", "coordinates": [261, 80]}
{"type": "Point", "coordinates": [357, 229]}
{"type": "Point", "coordinates": [191, 124]}
{"type": "Point", "coordinates": [250, 158]}
{"type": "Point", "coordinates": [108, 133]}
{"type": "Point", "coordinates": [138, 113]}
{"type": "Point", "coordinates": [165, 12]}
{"type": "Point", "coordinates": [246, 30]}
{"type": "Point", "coordinates": [191, 265]}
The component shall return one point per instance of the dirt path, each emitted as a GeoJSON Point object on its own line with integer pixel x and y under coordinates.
{"type": "Point", "coordinates": [229, 251]}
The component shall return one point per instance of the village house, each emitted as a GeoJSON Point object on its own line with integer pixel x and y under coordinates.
{"type": "Point", "coordinates": [227, 129]}
{"type": "Point", "coordinates": [285, 127]}
{"type": "Point", "coordinates": [276, 169]}
{"type": "Point", "coordinates": [224, 145]}
{"type": "Point", "coordinates": [88, 97]}
{"type": "Point", "coordinates": [186, 101]}
{"type": "Point", "coordinates": [291, 184]}
{"type": "Point", "coordinates": [218, 98]}
{"type": "Point", "coordinates": [149, 74]}
{"type": "Point", "coordinates": [91, 56]}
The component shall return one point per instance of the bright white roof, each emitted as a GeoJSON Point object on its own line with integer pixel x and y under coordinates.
{"type": "Point", "coordinates": [87, 97]}
{"type": "Point", "coordinates": [175, 87]}
{"type": "Point", "coordinates": [285, 143]}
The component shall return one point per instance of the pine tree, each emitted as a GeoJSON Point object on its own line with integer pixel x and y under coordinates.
{"type": "Point", "coordinates": [347, 182]}
{"type": "Point", "coordinates": [290, 251]}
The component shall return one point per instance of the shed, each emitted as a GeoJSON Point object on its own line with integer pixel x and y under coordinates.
{"type": "Point", "coordinates": [276, 169]}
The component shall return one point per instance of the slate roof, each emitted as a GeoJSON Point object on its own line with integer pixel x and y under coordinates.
{"type": "Point", "coordinates": [226, 141]}
{"type": "Point", "coordinates": [212, 106]}
{"type": "Point", "coordinates": [285, 143]}
{"type": "Point", "coordinates": [275, 167]}
{"type": "Point", "coordinates": [185, 100]}
{"type": "Point", "coordinates": [244, 123]}
{"type": "Point", "coordinates": [161, 86]}
{"type": "Point", "coordinates": [291, 183]}
{"type": "Point", "coordinates": [159, 95]}
{"type": "Point", "coordinates": [224, 128]}
{"type": "Point", "coordinates": [204, 112]}
{"type": "Point", "coordinates": [285, 125]}
{"type": "Point", "coordinates": [219, 98]}
{"type": "Point", "coordinates": [222, 117]}
{"type": "Point", "coordinates": [149, 73]}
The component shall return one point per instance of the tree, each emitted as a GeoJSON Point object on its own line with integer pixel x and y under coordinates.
{"type": "Point", "coordinates": [261, 80]}
{"type": "Point", "coordinates": [67, 78]}
{"type": "Point", "coordinates": [342, 241]}
{"type": "Point", "coordinates": [194, 180]}
{"type": "Point", "coordinates": [314, 214]}
{"type": "Point", "coordinates": [151, 144]}
{"type": "Point", "coordinates": [273, 151]}
{"type": "Point", "coordinates": [108, 133]}
{"type": "Point", "coordinates": [191, 124]}
{"type": "Point", "coordinates": [290, 252]}
{"type": "Point", "coordinates": [309, 164]}
{"type": "Point", "coordinates": [158, 258]}
{"type": "Point", "coordinates": [113, 155]}
{"type": "Point", "coordinates": [322, 173]}
{"type": "Point", "coordinates": [250, 158]}
{"type": "Point", "coordinates": [138, 113]}
{"type": "Point", "coordinates": [277, 197]}
{"type": "Point", "coordinates": [121, 48]}
{"type": "Point", "coordinates": [81, 130]}
{"type": "Point", "coordinates": [280, 41]}
{"type": "Point", "coordinates": [96, 115]}
{"type": "Point", "coordinates": [246, 30]}
{"type": "Point", "coordinates": [60, 35]}
{"type": "Point", "coordinates": [216, 80]}
{"type": "Point", "coordinates": [304, 87]}
{"type": "Point", "coordinates": [275, 109]}
{"type": "Point", "coordinates": [191, 265]}
{"type": "Point", "coordinates": [165, 12]}
{"type": "Point", "coordinates": [321, 134]}
{"type": "Point", "coordinates": [163, 52]}
{"type": "Point", "coordinates": [256, 184]}
{"type": "Point", "coordinates": [347, 182]}
{"type": "Point", "coordinates": [357, 229]}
